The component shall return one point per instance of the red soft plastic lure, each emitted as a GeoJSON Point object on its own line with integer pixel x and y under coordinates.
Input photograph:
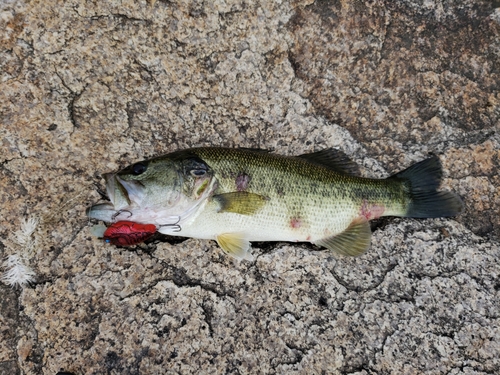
{"type": "Point", "coordinates": [128, 233]}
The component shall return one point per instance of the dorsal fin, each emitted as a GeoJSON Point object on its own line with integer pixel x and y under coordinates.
{"type": "Point", "coordinates": [333, 159]}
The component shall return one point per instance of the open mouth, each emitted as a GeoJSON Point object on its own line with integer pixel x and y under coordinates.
{"type": "Point", "coordinates": [111, 188]}
{"type": "Point", "coordinates": [122, 193]}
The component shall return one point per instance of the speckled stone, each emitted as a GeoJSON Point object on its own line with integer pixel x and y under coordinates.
{"type": "Point", "coordinates": [88, 87]}
{"type": "Point", "coordinates": [407, 80]}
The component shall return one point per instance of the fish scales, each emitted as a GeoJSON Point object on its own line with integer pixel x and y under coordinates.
{"type": "Point", "coordinates": [323, 200]}
{"type": "Point", "coordinates": [238, 195]}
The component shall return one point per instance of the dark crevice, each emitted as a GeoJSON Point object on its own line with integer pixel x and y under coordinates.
{"type": "Point", "coordinates": [74, 97]}
{"type": "Point", "coordinates": [71, 109]}
{"type": "Point", "coordinates": [208, 312]}
{"type": "Point", "coordinates": [181, 279]}
{"type": "Point", "coordinates": [122, 18]}
{"type": "Point", "coordinates": [297, 351]}
{"type": "Point", "coordinates": [372, 286]}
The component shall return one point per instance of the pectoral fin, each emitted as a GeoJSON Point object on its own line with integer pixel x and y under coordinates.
{"type": "Point", "coordinates": [240, 202]}
{"type": "Point", "coordinates": [236, 245]}
{"type": "Point", "coordinates": [354, 241]}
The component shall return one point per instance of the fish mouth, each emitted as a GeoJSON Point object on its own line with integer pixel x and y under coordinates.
{"type": "Point", "coordinates": [102, 211]}
{"type": "Point", "coordinates": [110, 186]}
{"type": "Point", "coordinates": [123, 196]}
{"type": "Point", "coordinates": [123, 193]}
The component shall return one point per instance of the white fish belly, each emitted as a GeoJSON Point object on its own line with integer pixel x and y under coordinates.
{"type": "Point", "coordinates": [269, 224]}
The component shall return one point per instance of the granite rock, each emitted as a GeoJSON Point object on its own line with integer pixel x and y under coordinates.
{"type": "Point", "coordinates": [89, 87]}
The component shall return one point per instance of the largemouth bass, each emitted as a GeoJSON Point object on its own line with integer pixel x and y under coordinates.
{"type": "Point", "coordinates": [236, 196]}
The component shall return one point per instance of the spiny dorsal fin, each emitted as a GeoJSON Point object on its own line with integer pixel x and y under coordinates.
{"type": "Point", "coordinates": [235, 245]}
{"type": "Point", "coordinates": [354, 241]}
{"type": "Point", "coordinates": [240, 202]}
{"type": "Point", "coordinates": [333, 159]}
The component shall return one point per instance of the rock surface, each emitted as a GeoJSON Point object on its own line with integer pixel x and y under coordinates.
{"type": "Point", "coordinates": [88, 87]}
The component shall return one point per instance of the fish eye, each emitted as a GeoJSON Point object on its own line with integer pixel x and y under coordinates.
{"type": "Point", "coordinates": [139, 168]}
{"type": "Point", "coordinates": [198, 172]}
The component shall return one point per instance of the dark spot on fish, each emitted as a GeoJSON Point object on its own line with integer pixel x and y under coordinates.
{"type": "Point", "coordinates": [280, 191]}
{"type": "Point", "coordinates": [242, 181]}
{"type": "Point", "coordinates": [314, 186]}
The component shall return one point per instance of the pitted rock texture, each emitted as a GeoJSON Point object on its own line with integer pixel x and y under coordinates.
{"type": "Point", "coordinates": [89, 87]}
{"type": "Point", "coordinates": [406, 78]}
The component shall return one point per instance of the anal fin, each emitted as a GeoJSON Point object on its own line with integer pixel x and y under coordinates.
{"type": "Point", "coordinates": [235, 245]}
{"type": "Point", "coordinates": [353, 241]}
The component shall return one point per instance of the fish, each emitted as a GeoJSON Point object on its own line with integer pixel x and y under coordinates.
{"type": "Point", "coordinates": [238, 196]}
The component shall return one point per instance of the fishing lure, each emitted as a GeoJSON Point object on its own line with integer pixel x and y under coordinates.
{"type": "Point", "coordinates": [128, 233]}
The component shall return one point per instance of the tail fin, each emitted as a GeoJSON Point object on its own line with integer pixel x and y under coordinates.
{"type": "Point", "coordinates": [421, 181]}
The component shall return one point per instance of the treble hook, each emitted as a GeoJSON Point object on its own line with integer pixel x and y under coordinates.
{"type": "Point", "coordinates": [118, 213]}
{"type": "Point", "coordinates": [175, 227]}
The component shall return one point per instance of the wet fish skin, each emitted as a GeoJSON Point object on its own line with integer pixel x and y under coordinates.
{"type": "Point", "coordinates": [237, 195]}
